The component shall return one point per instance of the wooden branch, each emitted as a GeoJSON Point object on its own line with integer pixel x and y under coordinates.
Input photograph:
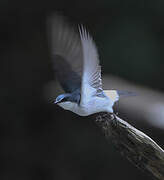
{"type": "Point", "coordinates": [136, 146]}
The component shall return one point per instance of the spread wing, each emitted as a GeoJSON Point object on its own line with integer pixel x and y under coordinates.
{"type": "Point", "coordinates": [66, 52]}
{"type": "Point", "coordinates": [91, 77]}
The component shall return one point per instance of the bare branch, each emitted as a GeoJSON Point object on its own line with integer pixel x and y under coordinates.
{"type": "Point", "coordinates": [136, 146]}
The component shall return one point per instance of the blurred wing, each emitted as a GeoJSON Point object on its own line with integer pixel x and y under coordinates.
{"type": "Point", "coordinates": [66, 53]}
{"type": "Point", "coordinates": [91, 77]}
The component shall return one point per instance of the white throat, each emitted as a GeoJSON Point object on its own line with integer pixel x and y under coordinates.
{"type": "Point", "coordinates": [67, 105]}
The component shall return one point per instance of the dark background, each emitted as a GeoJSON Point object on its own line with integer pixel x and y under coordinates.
{"type": "Point", "coordinates": [42, 141]}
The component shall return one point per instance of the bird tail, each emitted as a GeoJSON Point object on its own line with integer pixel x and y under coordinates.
{"type": "Point", "coordinates": [115, 95]}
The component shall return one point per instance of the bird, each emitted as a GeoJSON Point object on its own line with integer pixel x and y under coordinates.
{"type": "Point", "coordinates": [77, 67]}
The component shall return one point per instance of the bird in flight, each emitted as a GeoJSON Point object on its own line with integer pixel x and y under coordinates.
{"type": "Point", "coordinates": [77, 68]}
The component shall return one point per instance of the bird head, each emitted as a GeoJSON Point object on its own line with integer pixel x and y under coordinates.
{"type": "Point", "coordinates": [64, 101]}
{"type": "Point", "coordinates": [62, 98]}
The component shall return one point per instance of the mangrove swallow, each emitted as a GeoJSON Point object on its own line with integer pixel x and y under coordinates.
{"type": "Point", "coordinates": [77, 68]}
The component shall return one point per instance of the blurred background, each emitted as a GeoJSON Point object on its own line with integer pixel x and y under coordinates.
{"type": "Point", "coordinates": [41, 141]}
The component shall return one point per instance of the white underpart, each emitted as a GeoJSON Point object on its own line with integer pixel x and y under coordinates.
{"type": "Point", "coordinates": [95, 105]}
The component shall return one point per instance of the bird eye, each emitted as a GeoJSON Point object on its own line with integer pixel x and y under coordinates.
{"type": "Point", "coordinates": [63, 100]}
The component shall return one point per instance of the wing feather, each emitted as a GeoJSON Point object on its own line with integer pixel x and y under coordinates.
{"type": "Point", "coordinates": [91, 76]}
{"type": "Point", "coordinates": [75, 58]}
{"type": "Point", "coordinates": [66, 52]}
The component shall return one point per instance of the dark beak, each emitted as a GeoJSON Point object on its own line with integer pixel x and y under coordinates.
{"type": "Point", "coordinates": [55, 102]}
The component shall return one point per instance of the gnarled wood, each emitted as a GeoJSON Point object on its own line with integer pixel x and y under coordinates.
{"type": "Point", "coordinates": [136, 146]}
